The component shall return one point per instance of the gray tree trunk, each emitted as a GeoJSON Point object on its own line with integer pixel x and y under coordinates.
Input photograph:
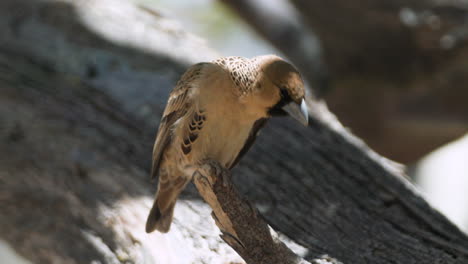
{"type": "Point", "coordinates": [83, 84]}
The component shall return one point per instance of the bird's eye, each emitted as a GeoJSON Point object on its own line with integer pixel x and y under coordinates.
{"type": "Point", "coordinates": [284, 94]}
{"type": "Point", "coordinates": [285, 98]}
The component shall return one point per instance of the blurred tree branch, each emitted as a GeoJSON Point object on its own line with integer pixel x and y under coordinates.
{"type": "Point", "coordinates": [392, 71]}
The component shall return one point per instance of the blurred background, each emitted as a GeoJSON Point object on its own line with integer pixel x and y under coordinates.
{"type": "Point", "coordinates": [394, 73]}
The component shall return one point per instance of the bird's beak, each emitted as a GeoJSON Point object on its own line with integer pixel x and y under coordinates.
{"type": "Point", "coordinates": [298, 112]}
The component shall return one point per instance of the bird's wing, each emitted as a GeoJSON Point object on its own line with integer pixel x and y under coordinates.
{"type": "Point", "coordinates": [177, 106]}
{"type": "Point", "coordinates": [250, 140]}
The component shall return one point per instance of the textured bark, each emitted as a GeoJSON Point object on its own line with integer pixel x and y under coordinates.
{"type": "Point", "coordinates": [79, 106]}
{"type": "Point", "coordinates": [393, 71]}
{"type": "Point", "coordinates": [239, 222]}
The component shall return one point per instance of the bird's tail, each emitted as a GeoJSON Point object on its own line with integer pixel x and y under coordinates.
{"type": "Point", "coordinates": [160, 218]}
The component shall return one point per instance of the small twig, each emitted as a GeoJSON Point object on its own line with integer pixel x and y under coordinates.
{"type": "Point", "coordinates": [241, 228]}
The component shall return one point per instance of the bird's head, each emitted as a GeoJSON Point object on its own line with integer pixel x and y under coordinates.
{"type": "Point", "coordinates": [281, 89]}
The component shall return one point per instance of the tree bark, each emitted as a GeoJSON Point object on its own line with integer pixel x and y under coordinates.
{"type": "Point", "coordinates": [241, 226]}
{"type": "Point", "coordinates": [82, 91]}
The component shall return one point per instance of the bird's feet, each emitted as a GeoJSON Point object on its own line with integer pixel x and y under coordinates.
{"type": "Point", "coordinates": [213, 171]}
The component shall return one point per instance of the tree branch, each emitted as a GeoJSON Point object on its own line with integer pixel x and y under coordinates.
{"type": "Point", "coordinates": [240, 223]}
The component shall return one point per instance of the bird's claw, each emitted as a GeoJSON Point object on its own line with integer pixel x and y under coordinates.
{"type": "Point", "coordinates": [213, 170]}
{"type": "Point", "coordinates": [232, 239]}
{"type": "Point", "coordinates": [202, 178]}
{"type": "Point", "coordinates": [225, 177]}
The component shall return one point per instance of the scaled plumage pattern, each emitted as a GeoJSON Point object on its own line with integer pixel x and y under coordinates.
{"type": "Point", "coordinates": [214, 113]}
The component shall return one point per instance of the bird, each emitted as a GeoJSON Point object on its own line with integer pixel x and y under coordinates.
{"type": "Point", "coordinates": [214, 113]}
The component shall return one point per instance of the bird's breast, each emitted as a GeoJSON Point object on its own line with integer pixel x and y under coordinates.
{"type": "Point", "coordinates": [221, 139]}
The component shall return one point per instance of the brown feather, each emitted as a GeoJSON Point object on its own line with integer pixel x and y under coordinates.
{"type": "Point", "coordinates": [170, 184]}
{"type": "Point", "coordinates": [175, 109]}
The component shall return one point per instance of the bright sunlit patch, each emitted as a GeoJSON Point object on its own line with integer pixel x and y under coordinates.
{"type": "Point", "coordinates": [193, 234]}
{"type": "Point", "coordinates": [131, 25]}
{"type": "Point", "coordinates": [8, 255]}
{"type": "Point", "coordinates": [443, 176]}
{"type": "Point", "coordinates": [127, 218]}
